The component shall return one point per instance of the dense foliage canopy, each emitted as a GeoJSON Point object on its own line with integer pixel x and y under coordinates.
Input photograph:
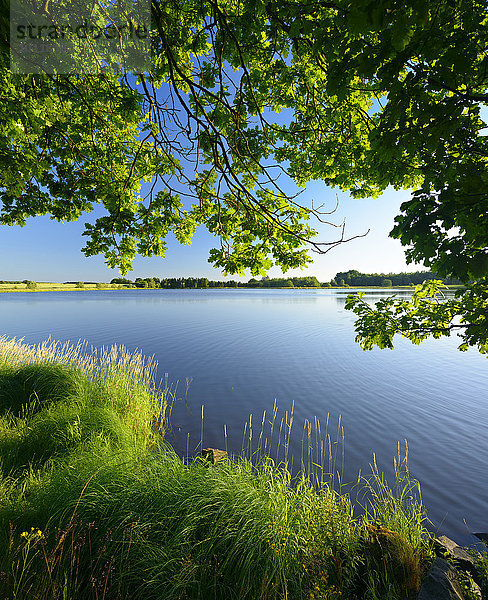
{"type": "Point", "coordinates": [361, 95]}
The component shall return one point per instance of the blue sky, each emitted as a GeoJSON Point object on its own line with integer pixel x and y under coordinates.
{"type": "Point", "coordinates": [45, 250]}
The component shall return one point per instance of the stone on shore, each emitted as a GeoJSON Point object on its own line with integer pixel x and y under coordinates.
{"type": "Point", "coordinates": [463, 559]}
{"type": "Point", "coordinates": [213, 455]}
{"type": "Point", "coordinates": [440, 583]}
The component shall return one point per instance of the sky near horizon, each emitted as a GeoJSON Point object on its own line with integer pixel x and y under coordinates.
{"type": "Point", "coordinates": [45, 250]}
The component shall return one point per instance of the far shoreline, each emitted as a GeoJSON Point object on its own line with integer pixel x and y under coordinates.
{"type": "Point", "coordinates": [60, 287]}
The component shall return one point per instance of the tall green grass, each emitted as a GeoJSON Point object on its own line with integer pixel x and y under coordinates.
{"type": "Point", "coordinates": [94, 503]}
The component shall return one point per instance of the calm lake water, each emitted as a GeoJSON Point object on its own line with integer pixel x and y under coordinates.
{"type": "Point", "coordinates": [244, 349]}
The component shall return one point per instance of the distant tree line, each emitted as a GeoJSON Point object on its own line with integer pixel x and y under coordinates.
{"type": "Point", "coordinates": [283, 282]}
{"type": "Point", "coordinates": [350, 278]}
{"type": "Point", "coordinates": [203, 282]}
{"type": "Point", "coordinates": [356, 279]}
{"type": "Point", "coordinates": [173, 283]}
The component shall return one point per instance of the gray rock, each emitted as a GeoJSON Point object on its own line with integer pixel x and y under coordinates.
{"type": "Point", "coordinates": [465, 560]}
{"type": "Point", "coordinates": [440, 583]}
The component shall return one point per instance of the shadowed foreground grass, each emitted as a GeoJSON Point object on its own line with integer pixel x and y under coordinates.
{"type": "Point", "coordinates": [95, 505]}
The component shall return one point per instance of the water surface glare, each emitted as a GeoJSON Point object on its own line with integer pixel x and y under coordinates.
{"type": "Point", "coordinates": [242, 349]}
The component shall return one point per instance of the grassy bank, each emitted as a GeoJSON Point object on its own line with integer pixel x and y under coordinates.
{"type": "Point", "coordinates": [94, 504]}
{"type": "Point", "coordinates": [48, 286]}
